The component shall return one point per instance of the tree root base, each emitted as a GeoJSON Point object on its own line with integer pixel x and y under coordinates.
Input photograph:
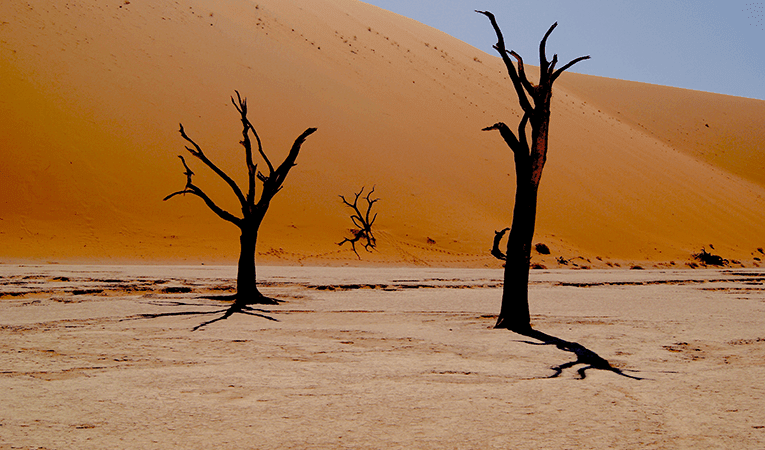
{"type": "Point", "coordinates": [257, 299]}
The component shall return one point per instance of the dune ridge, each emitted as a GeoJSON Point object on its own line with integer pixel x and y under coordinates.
{"type": "Point", "coordinates": [94, 91]}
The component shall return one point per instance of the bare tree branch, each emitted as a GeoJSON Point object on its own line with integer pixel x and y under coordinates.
{"type": "Point", "coordinates": [522, 73]}
{"type": "Point", "coordinates": [544, 65]}
{"type": "Point", "coordinates": [242, 108]}
{"type": "Point", "coordinates": [369, 208]}
{"type": "Point", "coordinates": [519, 147]}
{"type": "Point", "coordinates": [273, 183]}
{"type": "Point", "coordinates": [194, 190]}
{"type": "Point", "coordinates": [518, 84]}
{"type": "Point", "coordinates": [252, 169]}
{"type": "Point", "coordinates": [560, 71]}
{"type": "Point", "coordinates": [197, 151]}
{"type": "Point", "coordinates": [495, 251]}
{"type": "Point", "coordinates": [522, 133]}
{"type": "Point", "coordinates": [553, 63]}
{"type": "Point", "coordinates": [356, 220]}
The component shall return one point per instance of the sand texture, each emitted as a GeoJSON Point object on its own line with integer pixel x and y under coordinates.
{"type": "Point", "coordinates": [93, 92]}
{"type": "Point", "coordinates": [383, 358]}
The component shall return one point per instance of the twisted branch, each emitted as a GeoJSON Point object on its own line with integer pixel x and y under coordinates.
{"type": "Point", "coordinates": [495, 251]}
{"type": "Point", "coordinates": [571, 63]}
{"type": "Point", "coordinates": [518, 82]}
{"type": "Point", "coordinates": [273, 182]}
{"type": "Point", "coordinates": [197, 151]}
{"type": "Point", "coordinates": [252, 168]}
{"type": "Point", "coordinates": [191, 188]}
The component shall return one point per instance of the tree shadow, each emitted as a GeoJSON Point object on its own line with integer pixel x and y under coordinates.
{"type": "Point", "coordinates": [588, 358]}
{"type": "Point", "coordinates": [227, 312]}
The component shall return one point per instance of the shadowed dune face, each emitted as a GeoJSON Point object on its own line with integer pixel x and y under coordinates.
{"type": "Point", "coordinates": [93, 93]}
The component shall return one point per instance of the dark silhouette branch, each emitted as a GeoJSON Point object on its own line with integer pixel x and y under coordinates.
{"type": "Point", "coordinates": [242, 108]}
{"type": "Point", "coordinates": [272, 184]}
{"type": "Point", "coordinates": [518, 83]}
{"type": "Point", "coordinates": [519, 147]}
{"type": "Point", "coordinates": [522, 134]}
{"type": "Point", "coordinates": [547, 69]}
{"type": "Point", "coordinates": [252, 168]}
{"type": "Point", "coordinates": [553, 63]}
{"type": "Point", "coordinates": [495, 251]}
{"type": "Point", "coordinates": [197, 151]}
{"type": "Point", "coordinates": [506, 133]}
{"type": "Point", "coordinates": [194, 190]}
{"type": "Point", "coordinates": [562, 69]}
{"type": "Point", "coordinates": [530, 88]}
{"type": "Point", "coordinates": [544, 65]}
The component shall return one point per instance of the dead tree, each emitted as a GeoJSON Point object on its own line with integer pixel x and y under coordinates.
{"type": "Point", "coordinates": [253, 207]}
{"type": "Point", "coordinates": [362, 221]}
{"type": "Point", "coordinates": [530, 157]}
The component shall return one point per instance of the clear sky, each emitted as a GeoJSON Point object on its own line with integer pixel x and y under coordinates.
{"type": "Point", "coordinates": [715, 46]}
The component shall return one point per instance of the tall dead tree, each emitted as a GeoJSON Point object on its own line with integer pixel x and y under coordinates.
{"type": "Point", "coordinates": [253, 207]}
{"type": "Point", "coordinates": [530, 157]}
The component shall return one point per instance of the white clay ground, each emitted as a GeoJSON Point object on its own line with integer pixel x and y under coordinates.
{"type": "Point", "coordinates": [378, 358]}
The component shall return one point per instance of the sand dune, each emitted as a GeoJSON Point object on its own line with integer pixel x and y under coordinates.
{"type": "Point", "coordinates": [92, 94]}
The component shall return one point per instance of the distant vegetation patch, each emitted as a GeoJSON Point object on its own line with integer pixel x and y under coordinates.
{"type": "Point", "coordinates": [709, 259]}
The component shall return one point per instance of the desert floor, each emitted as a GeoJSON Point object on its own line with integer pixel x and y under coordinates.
{"type": "Point", "coordinates": [378, 358]}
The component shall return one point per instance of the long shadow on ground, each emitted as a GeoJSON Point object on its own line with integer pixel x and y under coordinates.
{"type": "Point", "coordinates": [227, 312]}
{"type": "Point", "coordinates": [584, 356]}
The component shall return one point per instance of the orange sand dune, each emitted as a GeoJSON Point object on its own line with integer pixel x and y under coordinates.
{"type": "Point", "coordinates": [92, 94]}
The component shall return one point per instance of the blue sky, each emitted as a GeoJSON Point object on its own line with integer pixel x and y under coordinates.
{"type": "Point", "coordinates": [714, 46]}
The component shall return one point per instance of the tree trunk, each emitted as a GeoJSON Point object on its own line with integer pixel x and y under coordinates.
{"type": "Point", "coordinates": [247, 292]}
{"type": "Point", "coordinates": [514, 313]}
{"type": "Point", "coordinates": [246, 284]}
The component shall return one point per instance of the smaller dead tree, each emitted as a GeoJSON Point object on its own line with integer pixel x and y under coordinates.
{"type": "Point", "coordinates": [363, 230]}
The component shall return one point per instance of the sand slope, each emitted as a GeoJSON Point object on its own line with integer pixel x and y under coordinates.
{"type": "Point", "coordinates": [92, 94]}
